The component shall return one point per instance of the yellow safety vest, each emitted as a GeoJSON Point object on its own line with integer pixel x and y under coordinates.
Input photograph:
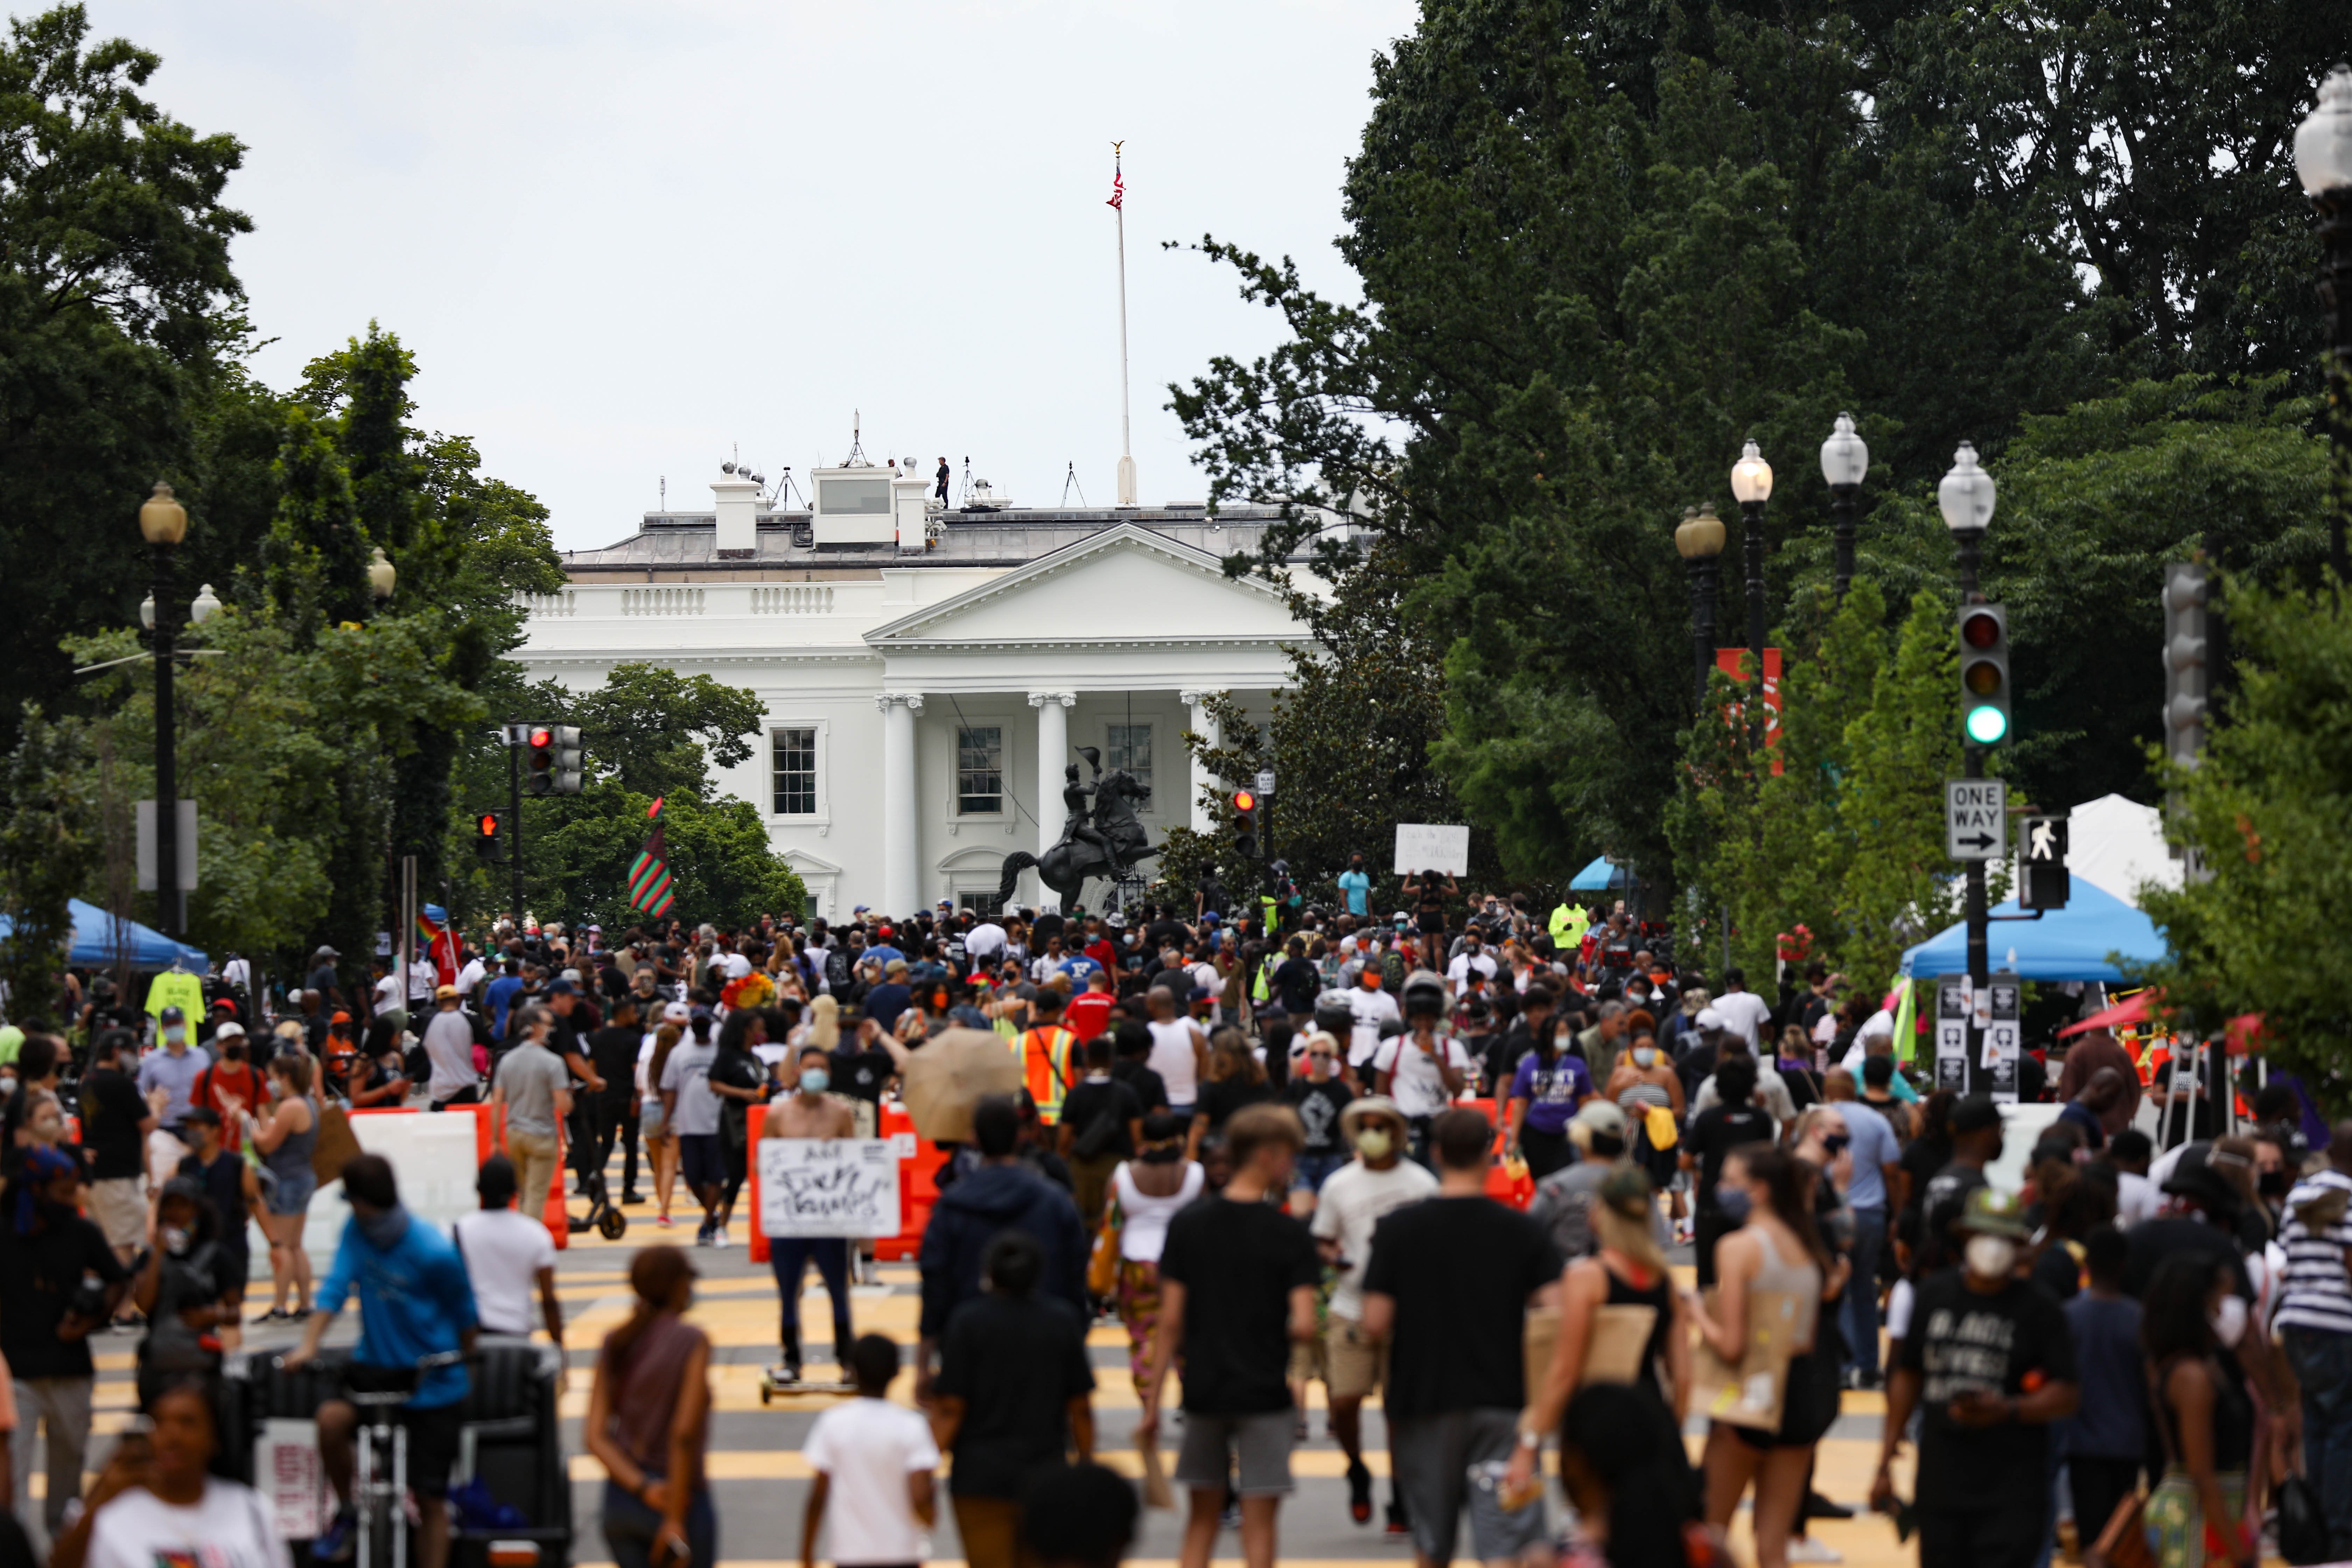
{"type": "Point", "coordinates": [1045, 1067]}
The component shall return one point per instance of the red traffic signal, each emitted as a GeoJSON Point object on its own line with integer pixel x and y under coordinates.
{"type": "Point", "coordinates": [488, 825]}
{"type": "Point", "coordinates": [1980, 628]}
{"type": "Point", "coordinates": [1245, 801]}
{"type": "Point", "coordinates": [540, 735]}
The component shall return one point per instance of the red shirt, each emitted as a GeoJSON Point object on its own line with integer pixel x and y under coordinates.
{"type": "Point", "coordinates": [1088, 1014]}
{"type": "Point", "coordinates": [226, 1081]}
{"type": "Point", "coordinates": [1102, 952]}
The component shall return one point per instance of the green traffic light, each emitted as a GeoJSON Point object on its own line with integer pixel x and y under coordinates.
{"type": "Point", "coordinates": [1987, 725]}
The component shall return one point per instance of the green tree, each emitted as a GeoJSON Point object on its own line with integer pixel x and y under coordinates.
{"type": "Point", "coordinates": [49, 847]}
{"type": "Point", "coordinates": [2262, 929]}
{"type": "Point", "coordinates": [116, 302]}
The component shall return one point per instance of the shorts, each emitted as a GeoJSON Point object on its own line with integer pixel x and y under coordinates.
{"type": "Point", "coordinates": [1357, 1366]}
{"type": "Point", "coordinates": [699, 1160]}
{"type": "Point", "coordinates": [650, 1124]}
{"type": "Point", "coordinates": [119, 1204]}
{"type": "Point", "coordinates": [432, 1445]}
{"type": "Point", "coordinates": [1456, 1457]}
{"type": "Point", "coordinates": [292, 1192]}
{"type": "Point", "coordinates": [1308, 1363]}
{"type": "Point", "coordinates": [1261, 1441]}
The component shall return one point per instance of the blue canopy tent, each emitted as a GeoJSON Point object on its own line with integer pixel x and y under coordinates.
{"type": "Point", "coordinates": [2072, 944]}
{"type": "Point", "coordinates": [1599, 877]}
{"type": "Point", "coordinates": [96, 936]}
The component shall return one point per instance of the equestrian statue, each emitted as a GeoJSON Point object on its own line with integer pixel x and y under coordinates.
{"type": "Point", "coordinates": [1101, 837]}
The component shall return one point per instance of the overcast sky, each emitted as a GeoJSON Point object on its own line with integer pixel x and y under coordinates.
{"type": "Point", "coordinates": [622, 239]}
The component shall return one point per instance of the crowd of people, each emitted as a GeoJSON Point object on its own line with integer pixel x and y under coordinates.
{"type": "Point", "coordinates": [1266, 1146]}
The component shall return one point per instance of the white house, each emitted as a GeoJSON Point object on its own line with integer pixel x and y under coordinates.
{"type": "Point", "coordinates": [929, 674]}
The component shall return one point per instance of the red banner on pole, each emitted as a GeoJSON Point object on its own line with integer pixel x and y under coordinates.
{"type": "Point", "coordinates": [1731, 660]}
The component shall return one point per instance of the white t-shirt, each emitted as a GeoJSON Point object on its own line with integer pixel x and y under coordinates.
{"type": "Point", "coordinates": [470, 977]}
{"type": "Point", "coordinates": [1171, 1058]}
{"type": "Point", "coordinates": [1458, 973]}
{"type": "Point", "coordinates": [1419, 1088]}
{"type": "Point", "coordinates": [237, 973]}
{"type": "Point", "coordinates": [868, 1448]}
{"type": "Point", "coordinates": [229, 1529]}
{"type": "Point", "coordinates": [2137, 1199]}
{"type": "Point", "coordinates": [1371, 1008]}
{"type": "Point", "coordinates": [1744, 1011]}
{"type": "Point", "coordinates": [985, 939]}
{"type": "Point", "coordinates": [387, 993]}
{"type": "Point", "coordinates": [1353, 1200]}
{"type": "Point", "coordinates": [504, 1251]}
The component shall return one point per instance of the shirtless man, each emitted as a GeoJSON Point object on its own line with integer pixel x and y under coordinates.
{"type": "Point", "coordinates": [810, 1112]}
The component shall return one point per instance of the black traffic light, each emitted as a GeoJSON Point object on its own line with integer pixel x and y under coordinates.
{"type": "Point", "coordinates": [550, 763]}
{"type": "Point", "coordinates": [1246, 824]}
{"type": "Point", "coordinates": [490, 835]}
{"type": "Point", "coordinates": [2043, 881]}
{"type": "Point", "coordinates": [1984, 674]}
{"type": "Point", "coordinates": [2188, 668]}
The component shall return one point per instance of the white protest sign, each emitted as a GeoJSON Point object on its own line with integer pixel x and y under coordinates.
{"type": "Point", "coordinates": [1431, 847]}
{"type": "Point", "coordinates": [828, 1187]}
{"type": "Point", "coordinates": [433, 1158]}
{"type": "Point", "coordinates": [291, 1477]}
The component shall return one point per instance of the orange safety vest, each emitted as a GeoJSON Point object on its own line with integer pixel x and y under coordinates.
{"type": "Point", "coordinates": [1046, 1062]}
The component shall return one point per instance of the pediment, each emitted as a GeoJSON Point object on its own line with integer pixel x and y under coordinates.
{"type": "Point", "coordinates": [1126, 581]}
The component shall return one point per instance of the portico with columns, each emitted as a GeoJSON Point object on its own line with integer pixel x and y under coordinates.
{"type": "Point", "coordinates": [920, 720]}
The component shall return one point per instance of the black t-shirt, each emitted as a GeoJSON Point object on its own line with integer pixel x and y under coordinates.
{"type": "Point", "coordinates": [1149, 1086]}
{"type": "Point", "coordinates": [1318, 1105]}
{"type": "Point", "coordinates": [1694, 1067]}
{"type": "Point", "coordinates": [1961, 1340]}
{"type": "Point", "coordinates": [1017, 1365]}
{"type": "Point", "coordinates": [1221, 1097]}
{"type": "Point", "coordinates": [861, 1074]}
{"type": "Point", "coordinates": [613, 1050]}
{"type": "Point", "coordinates": [1238, 1264]}
{"type": "Point", "coordinates": [1089, 1100]}
{"type": "Point", "coordinates": [1716, 1131]}
{"type": "Point", "coordinates": [38, 1276]}
{"type": "Point", "coordinates": [322, 981]}
{"type": "Point", "coordinates": [1295, 982]}
{"type": "Point", "coordinates": [1460, 1271]}
{"type": "Point", "coordinates": [112, 1111]}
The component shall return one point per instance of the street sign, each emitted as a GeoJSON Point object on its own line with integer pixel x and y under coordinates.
{"type": "Point", "coordinates": [1952, 1033]}
{"type": "Point", "coordinates": [2044, 882]}
{"type": "Point", "coordinates": [1266, 781]}
{"type": "Point", "coordinates": [1974, 825]}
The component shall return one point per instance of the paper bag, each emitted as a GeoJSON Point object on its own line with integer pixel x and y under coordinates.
{"type": "Point", "coordinates": [337, 1146]}
{"type": "Point", "coordinates": [1620, 1335]}
{"type": "Point", "coordinates": [947, 1075]}
{"type": "Point", "coordinates": [1749, 1394]}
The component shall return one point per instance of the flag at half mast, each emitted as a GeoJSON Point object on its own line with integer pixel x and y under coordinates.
{"type": "Point", "coordinates": [651, 890]}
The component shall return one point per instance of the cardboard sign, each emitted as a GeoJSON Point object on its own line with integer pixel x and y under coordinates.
{"type": "Point", "coordinates": [949, 1074]}
{"type": "Point", "coordinates": [291, 1477]}
{"type": "Point", "coordinates": [1431, 847]}
{"type": "Point", "coordinates": [828, 1187]}
{"type": "Point", "coordinates": [1749, 1394]}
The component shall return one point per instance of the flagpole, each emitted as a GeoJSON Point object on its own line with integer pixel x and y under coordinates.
{"type": "Point", "coordinates": [1126, 440]}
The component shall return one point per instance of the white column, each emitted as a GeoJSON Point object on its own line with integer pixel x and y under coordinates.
{"type": "Point", "coordinates": [1197, 779]}
{"type": "Point", "coordinates": [902, 893]}
{"type": "Point", "coordinates": [1053, 756]}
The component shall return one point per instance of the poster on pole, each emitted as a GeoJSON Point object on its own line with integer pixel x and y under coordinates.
{"type": "Point", "coordinates": [828, 1187]}
{"type": "Point", "coordinates": [1952, 1033]}
{"type": "Point", "coordinates": [1431, 847]}
{"type": "Point", "coordinates": [2002, 1038]}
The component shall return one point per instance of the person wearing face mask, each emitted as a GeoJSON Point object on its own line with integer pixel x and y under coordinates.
{"type": "Point", "coordinates": [810, 1112]}
{"type": "Point", "coordinates": [229, 1087]}
{"type": "Point", "coordinates": [1644, 1083]}
{"type": "Point", "coordinates": [174, 1071]}
{"type": "Point", "coordinates": [1371, 1005]}
{"type": "Point", "coordinates": [1354, 1200]}
{"type": "Point", "coordinates": [2204, 1416]}
{"type": "Point", "coordinates": [1730, 1123]}
{"type": "Point", "coordinates": [1320, 1096]}
{"type": "Point", "coordinates": [233, 1192]}
{"type": "Point", "coordinates": [179, 1289]}
{"type": "Point", "coordinates": [1989, 1362]}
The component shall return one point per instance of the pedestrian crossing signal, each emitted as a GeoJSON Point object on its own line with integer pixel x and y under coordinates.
{"type": "Point", "coordinates": [490, 835]}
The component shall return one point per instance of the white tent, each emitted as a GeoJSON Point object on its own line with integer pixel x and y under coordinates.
{"type": "Point", "coordinates": [2118, 844]}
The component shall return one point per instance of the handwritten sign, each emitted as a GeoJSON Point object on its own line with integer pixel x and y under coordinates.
{"type": "Point", "coordinates": [287, 1472]}
{"type": "Point", "coordinates": [828, 1187]}
{"type": "Point", "coordinates": [1431, 847]}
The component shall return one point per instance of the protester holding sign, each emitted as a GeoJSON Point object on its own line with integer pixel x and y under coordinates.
{"type": "Point", "coordinates": [810, 1112]}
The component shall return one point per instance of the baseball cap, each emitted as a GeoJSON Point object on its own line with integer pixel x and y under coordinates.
{"type": "Point", "coordinates": [441, 991]}
{"type": "Point", "coordinates": [1990, 1213]}
{"type": "Point", "coordinates": [172, 1015]}
{"type": "Point", "coordinates": [1602, 1118]}
{"type": "Point", "coordinates": [677, 1013]}
{"type": "Point", "coordinates": [203, 1115]}
{"type": "Point", "coordinates": [1975, 1113]}
{"type": "Point", "coordinates": [1709, 1018]}
{"type": "Point", "coordinates": [226, 1028]}
{"type": "Point", "coordinates": [1200, 993]}
{"type": "Point", "coordinates": [563, 988]}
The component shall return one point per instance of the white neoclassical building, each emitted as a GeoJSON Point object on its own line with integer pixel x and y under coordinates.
{"type": "Point", "coordinates": [926, 674]}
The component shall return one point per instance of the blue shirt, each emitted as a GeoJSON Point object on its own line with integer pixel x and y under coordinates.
{"type": "Point", "coordinates": [415, 1301]}
{"type": "Point", "coordinates": [1077, 967]}
{"type": "Point", "coordinates": [1358, 889]}
{"type": "Point", "coordinates": [500, 993]}
{"type": "Point", "coordinates": [1874, 1146]}
{"type": "Point", "coordinates": [2112, 1420]}
{"type": "Point", "coordinates": [881, 952]}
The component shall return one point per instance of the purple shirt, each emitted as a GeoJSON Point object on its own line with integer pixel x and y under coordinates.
{"type": "Point", "coordinates": [1552, 1094]}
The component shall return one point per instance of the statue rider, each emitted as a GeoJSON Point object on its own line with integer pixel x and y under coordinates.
{"type": "Point", "coordinates": [1079, 828]}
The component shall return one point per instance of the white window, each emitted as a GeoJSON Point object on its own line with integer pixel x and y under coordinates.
{"type": "Point", "coordinates": [834, 497]}
{"type": "Point", "coordinates": [1128, 746]}
{"type": "Point", "coordinates": [980, 771]}
{"type": "Point", "coordinates": [795, 772]}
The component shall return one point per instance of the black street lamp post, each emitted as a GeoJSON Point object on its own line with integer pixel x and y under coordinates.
{"type": "Point", "coordinates": [164, 522]}
{"type": "Point", "coordinates": [1751, 486]}
{"type": "Point", "coordinates": [1965, 496]}
{"type": "Point", "coordinates": [2323, 162]}
{"type": "Point", "coordinates": [1845, 459]}
{"type": "Point", "coordinates": [1699, 542]}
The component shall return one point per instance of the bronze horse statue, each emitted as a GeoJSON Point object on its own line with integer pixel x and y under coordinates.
{"type": "Point", "coordinates": [1103, 841]}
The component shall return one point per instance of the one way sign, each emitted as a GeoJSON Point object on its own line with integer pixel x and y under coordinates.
{"type": "Point", "coordinates": [1975, 826]}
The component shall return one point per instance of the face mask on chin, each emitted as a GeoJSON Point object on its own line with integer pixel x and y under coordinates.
{"type": "Point", "coordinates": [2229, 1320]}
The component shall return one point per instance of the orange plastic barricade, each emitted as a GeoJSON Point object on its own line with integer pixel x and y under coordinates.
{"type": "Point", "coordinates": [490, 1122]}
{"type": "Point", "coordinates": [753, 1120]}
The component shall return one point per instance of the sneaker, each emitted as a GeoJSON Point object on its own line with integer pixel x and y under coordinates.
{"type": "Point", "coordinates": [335, 1544]}
{"type": "Point", "coordinates": [630, 1198]}
{"type": "Point", "coordinates": [1805, 1549]}
{"type": "Point", "coordinates": [662, 1219]}
{"type": "Point", "coordinates": [1396, 1528]}
{"type": "Point", "coordinates": [702, 1236]}
{"type": "Point", "coordinates": [1360, 1492]}
{"type": "Point", "coordinates": [1820, 1506]}
{"type": "Point", "coordinates": [718, 1238]}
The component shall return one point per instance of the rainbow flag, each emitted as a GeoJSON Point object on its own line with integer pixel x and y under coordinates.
{"type": "Point", "coordinates": [433, 938]}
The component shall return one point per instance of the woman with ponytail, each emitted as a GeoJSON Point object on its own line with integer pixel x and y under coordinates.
{"type": "Point", "coordinates": [648, 1423]}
